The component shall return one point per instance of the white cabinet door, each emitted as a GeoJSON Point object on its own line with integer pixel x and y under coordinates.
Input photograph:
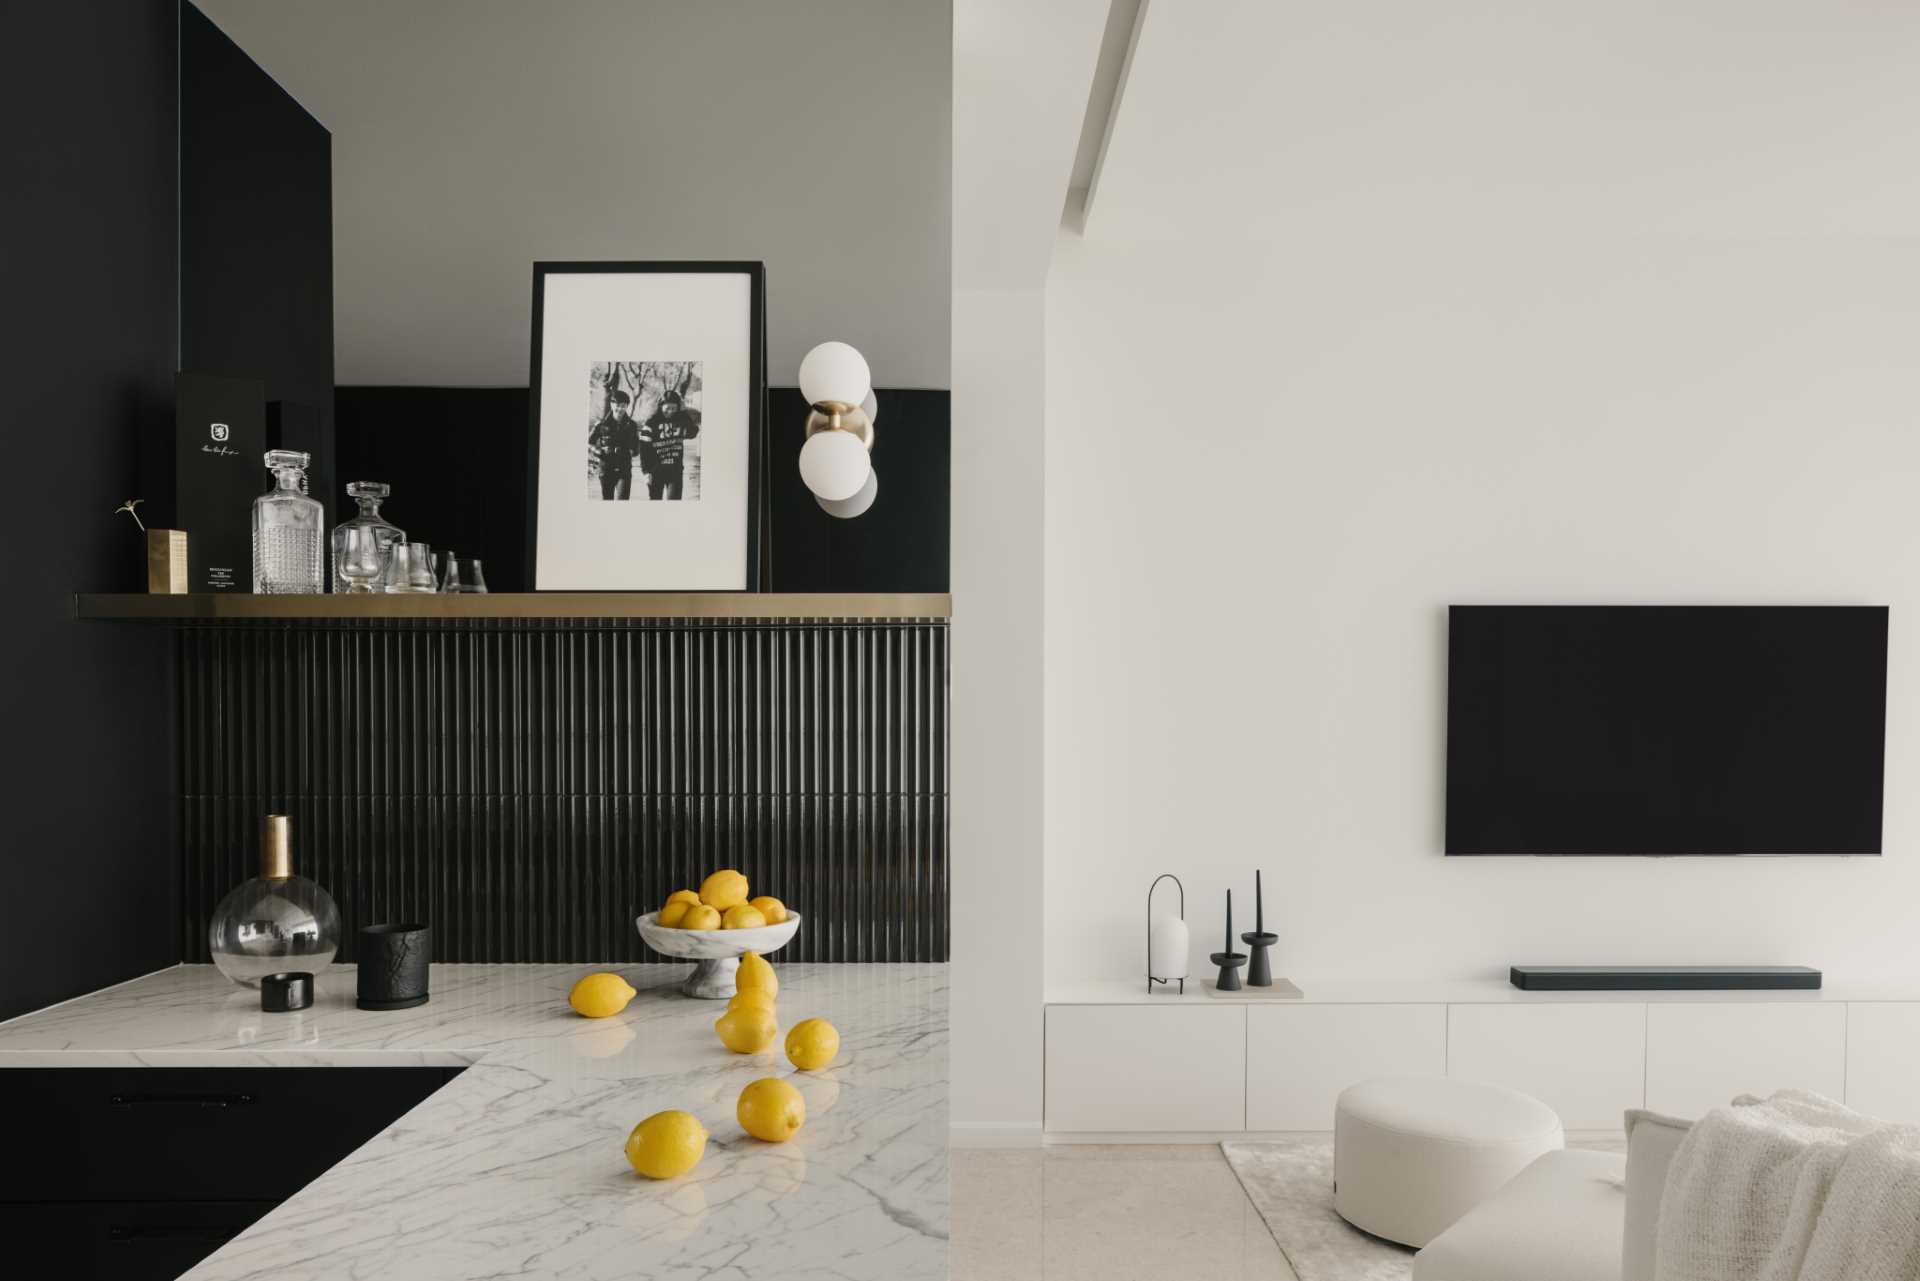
{"type": "Point", "coordinates": [1143, 1067]}
{"type": "Point", "coordinates": [1699, 1056]}
{"type": "Point", "coordinates": [1883, 1060]}
{"type": "Point", "coordinates": [1299, 1057]}
{"type": "Point", "coordinates": [1585, 1060]}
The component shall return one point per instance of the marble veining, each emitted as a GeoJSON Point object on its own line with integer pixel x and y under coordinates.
{"type": "Point", "coordinates": [516, 1169]}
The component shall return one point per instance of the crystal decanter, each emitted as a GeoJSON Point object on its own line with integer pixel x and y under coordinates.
{"type": "Point", "coordinates": [368, 494]}
{"type": "Point", "coordinates": [275, 921]}
{"type": "Point", "coordinates": [287, 531]}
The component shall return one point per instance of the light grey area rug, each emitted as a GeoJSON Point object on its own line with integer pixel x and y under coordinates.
{"type": "Point", "coordinates": [1290, 1182]}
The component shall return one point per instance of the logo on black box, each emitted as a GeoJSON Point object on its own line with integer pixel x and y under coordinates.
{"type": "Point", "coordinates": [220, 431]}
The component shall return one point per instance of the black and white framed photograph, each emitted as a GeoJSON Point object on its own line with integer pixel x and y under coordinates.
{"type": "Point", "coordinates": [648, 394]}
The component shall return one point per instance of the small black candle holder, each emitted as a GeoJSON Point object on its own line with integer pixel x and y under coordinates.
{"type": "Point", "coordinates": [1260, 972]}
{"type": "Point", "coordinates": [1229, 961]}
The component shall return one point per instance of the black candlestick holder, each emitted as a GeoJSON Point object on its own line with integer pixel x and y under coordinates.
{"type": "Point", "coordinates": [1230, 963]}
{"type": "Point", "coordinates": [1260, 972]}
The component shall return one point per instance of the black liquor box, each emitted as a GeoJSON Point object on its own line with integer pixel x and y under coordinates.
{"type": "Point", "coordinates": [220, 429]}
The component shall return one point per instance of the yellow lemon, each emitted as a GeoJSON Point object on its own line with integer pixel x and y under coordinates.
{"type": "Point", "coordinates": [667, 1144]}
{"type": "Point", "coordinates": [674, 912]}
{"type": "Point", "coordinates": [812, 1044]}
{"type": "Point", "coordinates": [742, 917]}
{"type": "Point", "coordinates": [771, 1109]}
{"type": "Point", "coordinates": [600, 996]}
{"type": "Point", "coordinates": [683, 896]}
{"type": "Point", "coordinates": [724, 890]}
{"type": "Point", "coordinates": [700, 917]}
{"type": "Point", "coordinates": [770, 907]}
{"type": "Point", "coordinates": [751, 996]}
{"type": "Point", "coordinates": [747, 1029]}
{"type": "Point", "coordinates": [755, 975]}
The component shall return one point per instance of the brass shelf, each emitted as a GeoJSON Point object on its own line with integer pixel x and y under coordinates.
{"type": "Point", "coordinates": [216, 607]}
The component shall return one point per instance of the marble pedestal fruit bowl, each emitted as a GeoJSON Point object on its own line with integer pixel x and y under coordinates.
{"type": "Point", "coordinates": [717, 951]}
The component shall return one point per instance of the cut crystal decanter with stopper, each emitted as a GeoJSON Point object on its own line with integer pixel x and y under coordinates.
{"type": "Point", "coordinates": [368, 494]}
{"type": "Point", "coordinates": [287, 536]}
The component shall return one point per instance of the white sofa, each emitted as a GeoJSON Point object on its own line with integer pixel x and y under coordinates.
{"type": "Point", "coordinates": [1570, 1216]}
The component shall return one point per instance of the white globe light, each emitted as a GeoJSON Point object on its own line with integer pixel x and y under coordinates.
{"type": "Point", "coordinates": [835, 371]}
{"type": "Point", "coordinates": [848, 508]}
{"type": "Point", "coordinates": [870, 407]}
{"type": "Point", "coordinates": [834, 464]}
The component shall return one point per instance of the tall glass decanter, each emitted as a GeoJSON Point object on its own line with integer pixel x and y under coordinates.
{"type": "Point", "coordinates": [287, 531]}
{"type": "Point", "coordinates": [275, 921]}
{"type": "Point", "coordinates": [368, 494]}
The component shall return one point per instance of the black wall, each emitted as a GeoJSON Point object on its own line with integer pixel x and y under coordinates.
{"type": "Point", "coordinates": [256, 242]}
{"type": "Point", "coordinates": [88, 885]}
{"type": "Point", "coordinates": [528, 788]}
{"type": "Point", "coordinates": [456, 458]}
{"type": "Point", "coordinates": [448, 454]}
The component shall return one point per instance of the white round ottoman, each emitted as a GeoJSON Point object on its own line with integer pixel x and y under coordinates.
{"type": "Point", "coordinates": [1412, 1154]}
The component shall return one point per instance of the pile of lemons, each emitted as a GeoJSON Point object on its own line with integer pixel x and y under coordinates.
{"type": "Point", "coordinates": [720, 904]}
{"type": "Point", "coordinates": [668, 1144]}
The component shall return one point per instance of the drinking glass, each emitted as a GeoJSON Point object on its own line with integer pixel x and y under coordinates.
{"type": "Point", "coordinates": [462, 574]}
{"type": "Point", "coordinates": [363, 559]}
{"type": "Point", "coordinates": [410, 569]}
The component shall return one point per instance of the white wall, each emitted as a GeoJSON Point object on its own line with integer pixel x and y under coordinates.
{"type": "Point", "coordinates": [472, 137]}
{"type": "Point", "coordinates": [1021, 73]}
{"type": "Point", "coordinates": [1386, 306]}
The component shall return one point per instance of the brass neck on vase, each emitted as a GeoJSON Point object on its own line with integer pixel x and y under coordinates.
{"type": "Point", "coordinates": [276, 847]}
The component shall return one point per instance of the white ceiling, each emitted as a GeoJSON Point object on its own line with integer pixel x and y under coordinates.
{"type": "Point", "coordinates": [1255, 120]}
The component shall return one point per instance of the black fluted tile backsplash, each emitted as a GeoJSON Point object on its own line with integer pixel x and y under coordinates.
{"type": "Point", "coordinates": [528, 788]}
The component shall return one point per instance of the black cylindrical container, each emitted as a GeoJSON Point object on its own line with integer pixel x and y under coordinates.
{"type": "Point", "coordinates": [284, 993]}
{"type": "Point", "coordinates": [393, 966]}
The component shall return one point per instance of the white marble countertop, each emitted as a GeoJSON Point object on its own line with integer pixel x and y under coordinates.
{"type": "Point", "coordinates": [516, 1169]}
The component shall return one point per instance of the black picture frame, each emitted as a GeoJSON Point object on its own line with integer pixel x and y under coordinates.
{"type": "Point", "coordinates": [756, 274]}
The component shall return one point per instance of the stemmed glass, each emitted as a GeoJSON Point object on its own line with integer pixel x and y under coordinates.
{"type": "Point", "coordinates": [362, 559]}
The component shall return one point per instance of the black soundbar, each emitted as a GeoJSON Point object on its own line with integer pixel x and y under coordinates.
{"type": "Point", "coordinates": [1664, 978]}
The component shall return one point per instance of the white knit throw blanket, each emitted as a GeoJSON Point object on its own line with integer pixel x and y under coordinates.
{"type": "Point", "coordinates": [1791, 1188]}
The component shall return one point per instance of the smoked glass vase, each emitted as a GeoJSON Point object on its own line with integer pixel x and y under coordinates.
{"type": "Point", "coordinates": [275, 921]}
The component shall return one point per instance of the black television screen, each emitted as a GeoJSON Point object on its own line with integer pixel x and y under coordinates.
{"type": "Point", "coordinates": [1661, 729]}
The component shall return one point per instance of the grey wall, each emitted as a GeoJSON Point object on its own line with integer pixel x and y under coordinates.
{"type": "Point", "coordinates": [472, 137]}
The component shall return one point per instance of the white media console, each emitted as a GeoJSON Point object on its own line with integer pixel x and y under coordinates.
{"type": "Point", "coordinates": [1122, 1064]}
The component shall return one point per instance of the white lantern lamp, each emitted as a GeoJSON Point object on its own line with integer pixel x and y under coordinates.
{"type": "Point", "coordinates": [1168, 945]}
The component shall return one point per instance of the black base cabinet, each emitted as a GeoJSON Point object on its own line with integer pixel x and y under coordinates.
{"type": "Point", "coordinates": [143, 1172]}
{"type": "Point", "coordinates": [149, 1240]}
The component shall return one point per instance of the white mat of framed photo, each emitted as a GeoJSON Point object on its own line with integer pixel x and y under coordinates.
{"type": "Point", "coordinates": [625, 356]}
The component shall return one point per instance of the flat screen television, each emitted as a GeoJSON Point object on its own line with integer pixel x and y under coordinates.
{"type": "Point", "coordinates": [1663, 729]}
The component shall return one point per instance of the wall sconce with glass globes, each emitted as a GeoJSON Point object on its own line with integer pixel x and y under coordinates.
{"type": "Point", "coordinates": [836, 462]}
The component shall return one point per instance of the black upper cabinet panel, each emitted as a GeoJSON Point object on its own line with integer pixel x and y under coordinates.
{"type": "Point", "coordinates": [256, 241]}
{"type": "Point", "coordinates": [87, 93]}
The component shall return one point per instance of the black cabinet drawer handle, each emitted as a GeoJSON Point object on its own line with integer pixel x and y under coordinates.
{"type": "Point", "coordinates": [181, 1100]}
{"type": "Point", "coordinates": [133, 1233]}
